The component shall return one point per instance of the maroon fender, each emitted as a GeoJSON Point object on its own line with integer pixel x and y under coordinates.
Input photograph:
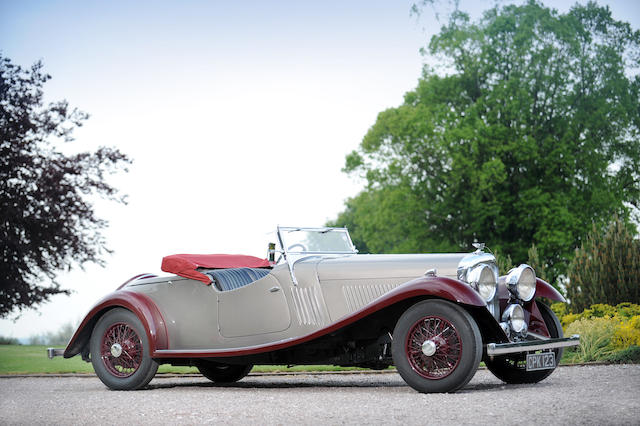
{"type": "Point", "coordinates": [544, 289]}
{"type": "Point", "coordinates": [441, 287]}
{"type": "Point", "coordinates": [536, 321]}
{"type": "Point", "coordinates": [141, 305]}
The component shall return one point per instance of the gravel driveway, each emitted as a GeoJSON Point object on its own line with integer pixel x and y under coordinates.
{"type": "Point", "coordinates": [587, 395]}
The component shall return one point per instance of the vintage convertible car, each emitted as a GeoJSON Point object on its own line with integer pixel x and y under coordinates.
{"type": "Point", "coordinates": [433, 316]}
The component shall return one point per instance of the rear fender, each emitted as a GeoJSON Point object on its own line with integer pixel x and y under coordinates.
{"type": "Point", "coordinates": [141, 305]}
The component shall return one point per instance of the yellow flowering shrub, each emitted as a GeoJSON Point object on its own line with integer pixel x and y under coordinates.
{"type": "Point", "coordinates": [568, 319]}
{"type": "Point", "coordinates": [627, 333]}
{"type": "Point", "coordinates": [560, 309]}
{"type": "Point", "coordinates": [627, 310]}
{"type": "Point", "coordinates": [623, 312]}
{"type": "Point", "coordinates": [604, 330]}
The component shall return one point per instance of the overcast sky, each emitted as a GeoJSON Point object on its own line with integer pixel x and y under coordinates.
{"type": "Point", "coordinates": [238, 115]}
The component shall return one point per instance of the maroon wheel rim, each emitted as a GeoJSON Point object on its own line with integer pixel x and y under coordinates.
{"type": "Point", "coordinates": [444, 337]}
{"type": "Point", "coordinates": [121, 350]}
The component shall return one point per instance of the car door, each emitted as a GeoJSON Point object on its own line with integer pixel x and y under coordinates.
{"type": "Point", "coordinates": [257, 308]}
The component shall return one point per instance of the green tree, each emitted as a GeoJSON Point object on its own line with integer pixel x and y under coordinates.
{"type": "Point", "coordinates": [527, 134]}
{"type": "Point", "coordinates": [605, 269]}
{"type": "Point", "coordinates": [46, 222]}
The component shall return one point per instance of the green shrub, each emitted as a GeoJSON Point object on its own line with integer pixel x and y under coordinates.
{"type": "Point", "coordinates": [605, 269]}
{"type": "Point", "coordinates": [607, 333]}
{"type": "Point", "coordinates": [630, 355]}
{"type": "Point", "coordinates": [538, 265]}
{"type": "Point", "coordinates": [504, 262]}
{"type": "Point", "coordinates": [560, 309]}
{"type": "Point", "coordinates": [622, 312]}
{"type": "Point", "coordinates": [627, 310]}
{"type": "Point", "coordinates": [595, 338]}
{"type": "Point", "coordinates": [627, 334]}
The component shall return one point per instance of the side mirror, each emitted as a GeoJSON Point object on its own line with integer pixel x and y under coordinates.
{"type": "Point", "coordinates": [271, 253]}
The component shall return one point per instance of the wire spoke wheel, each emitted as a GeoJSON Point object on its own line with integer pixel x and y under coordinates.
{"type": "Point", "coordinates": [436, 346]}
{"type": "Point", "coordinates": [121, 350]}
{"type": "Point", "coordinates": [442, 335]}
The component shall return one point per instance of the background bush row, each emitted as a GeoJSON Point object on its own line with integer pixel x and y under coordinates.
{"type": "Point", "coordinates": [607, 333]}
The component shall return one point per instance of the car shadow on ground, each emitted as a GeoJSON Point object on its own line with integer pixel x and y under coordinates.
{"type": "Point", "coordinates": [500, 387]}
{"type": "Point", "coordinates": [315, 382]}
{"type": "Point", "coordinates": [280, 384]}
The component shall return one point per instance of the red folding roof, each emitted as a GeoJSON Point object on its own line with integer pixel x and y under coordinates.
{"type": "Point", "coordinates": [186, 265]}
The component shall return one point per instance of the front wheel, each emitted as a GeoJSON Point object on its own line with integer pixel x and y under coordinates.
{"type": "Point", "coordinates": [512, 368]}
{"type": "Point", "coordinates": [222, 373]}
{"type": "Point", "coordinates": [120, 351]}
{"type": "Point", "coordinates": [436, 346]}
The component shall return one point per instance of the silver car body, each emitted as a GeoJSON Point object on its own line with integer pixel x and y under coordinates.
{"type": "Point", "coordinates": [322, 302]}
{"type": "Point", "coordinates": [272, 309]}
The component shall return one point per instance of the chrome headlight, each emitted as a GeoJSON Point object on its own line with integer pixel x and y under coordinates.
{"type": "Point", "coordinates": [483, 279]}
{"type": "Point", "coordinates": [514, 316]}
{"type": "Point", "coordinates": [521, 282]}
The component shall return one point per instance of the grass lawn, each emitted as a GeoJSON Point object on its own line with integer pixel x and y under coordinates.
{"type": "Point", "coordinates": [25, 359]}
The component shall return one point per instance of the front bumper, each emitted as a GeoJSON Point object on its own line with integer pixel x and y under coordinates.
{"type": "Point", "coordinates": [494, 349]}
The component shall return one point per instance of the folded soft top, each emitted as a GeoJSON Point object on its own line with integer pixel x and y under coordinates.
{"type": "Point", "coordinates": [186, 265]}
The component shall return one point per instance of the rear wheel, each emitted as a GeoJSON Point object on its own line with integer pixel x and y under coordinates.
{"type": "Point", "coordinates": [222, 373]}
{"type": "Point", "coordinates": [120, 351]}
{"type": "Point", "coordinates": [512, 368]}
{"type": "Point", "coordinates": [436, 346]}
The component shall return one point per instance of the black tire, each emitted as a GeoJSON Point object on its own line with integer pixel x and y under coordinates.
{"type": "Point", "coordinates": [120, 330]}
{"type": "Point", "coordinates": [511, 368]}
{"type": "Point", "coordinates": [222, 373]}
{"type": "Point", "coordinates": [457, 346]}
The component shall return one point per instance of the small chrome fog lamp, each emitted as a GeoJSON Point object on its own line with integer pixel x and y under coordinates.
{"type": "Point", "coordinates": [514, 316]}
{"type": "Point", "coordinates": [521, 282]}
{"type": "Point", "coordinates": [483, 279]}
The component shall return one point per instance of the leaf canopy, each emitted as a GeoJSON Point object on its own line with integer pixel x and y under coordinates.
{"type": "Point", "coordinates": [47, 223]}
{"type": "Point", "coordinates": [527, 133]}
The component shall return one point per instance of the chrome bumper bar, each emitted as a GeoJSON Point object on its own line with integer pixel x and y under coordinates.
{"type": "Point", "coordinates": [53, 352]}
{"type": "Point", "coordinates": [532, 345]}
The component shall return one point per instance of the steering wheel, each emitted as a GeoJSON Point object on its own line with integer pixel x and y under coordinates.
{"type": "Point", "coordinates": [302, 246]}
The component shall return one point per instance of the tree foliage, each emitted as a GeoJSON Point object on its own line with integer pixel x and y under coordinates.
{"type": "Point", "coordinates": [527, 134]}
{"type": "Point", "coordinates": [46, 222]}
{"type": "Point", "coordinates": [605, 269]}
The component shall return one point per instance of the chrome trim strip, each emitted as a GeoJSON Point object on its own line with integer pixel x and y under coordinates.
{"type": "Point", "coordinates": [510, 348]}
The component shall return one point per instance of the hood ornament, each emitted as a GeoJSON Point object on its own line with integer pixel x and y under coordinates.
{"type": "Point", "coordinates": [479, 247]}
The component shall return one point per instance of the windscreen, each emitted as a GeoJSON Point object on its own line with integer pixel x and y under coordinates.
{"type": "Point", "coordinates": [301, 240]}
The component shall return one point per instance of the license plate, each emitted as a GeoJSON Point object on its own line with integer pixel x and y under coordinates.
{"type": "Point", "coordinates": [542, 361]}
